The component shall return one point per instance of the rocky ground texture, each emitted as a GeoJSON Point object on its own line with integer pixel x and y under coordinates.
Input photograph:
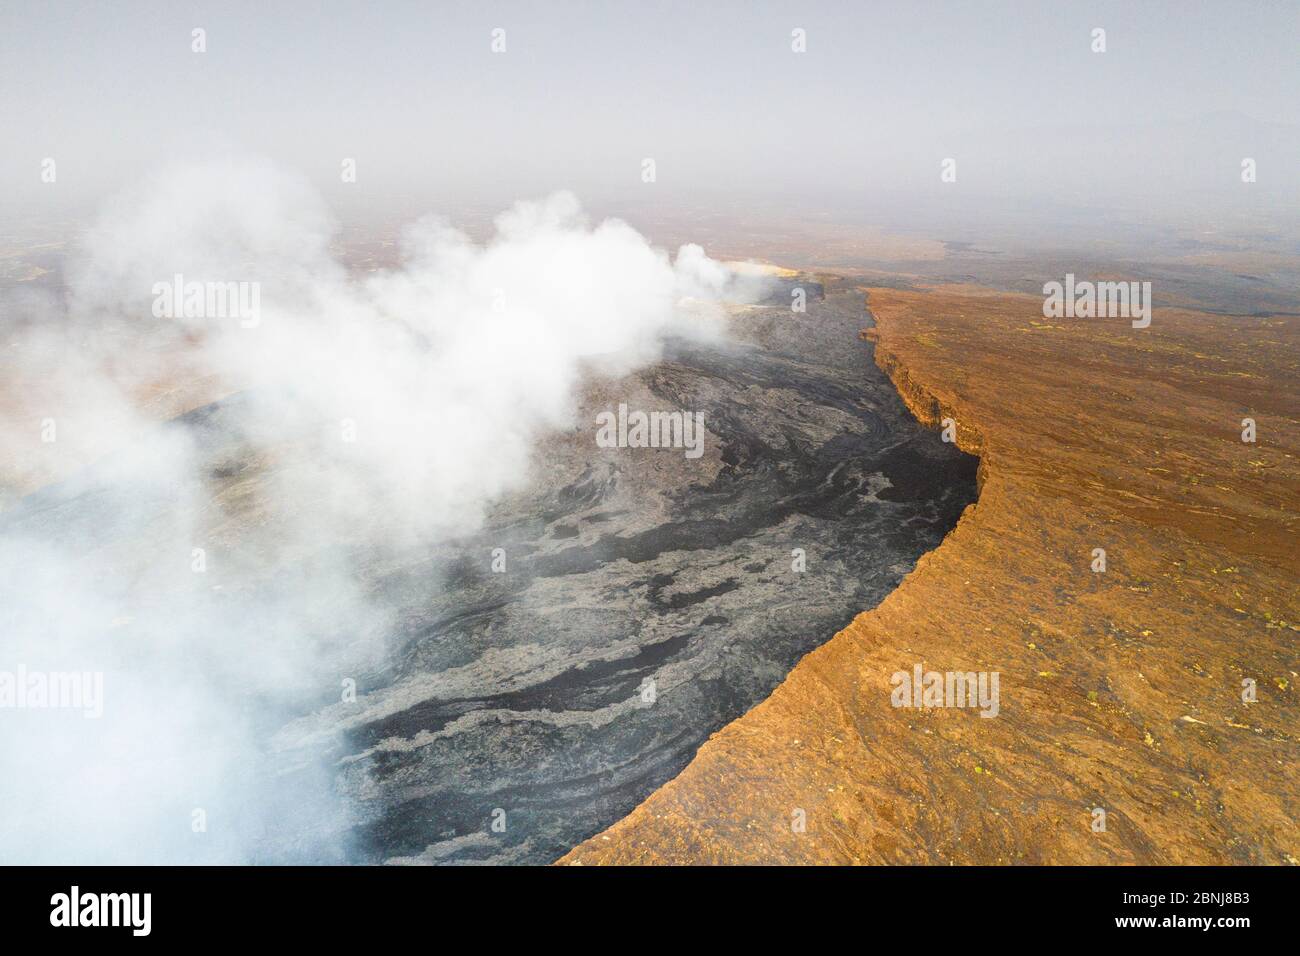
{"type": "Point", "coordinates": [1120, 690]}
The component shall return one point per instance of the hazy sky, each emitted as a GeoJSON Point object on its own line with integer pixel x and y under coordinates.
{"type": "Point", "coordinates": [712, 92]}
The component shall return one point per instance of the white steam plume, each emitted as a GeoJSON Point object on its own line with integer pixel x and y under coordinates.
{"type": "Point", "coordinates": [445, 372]}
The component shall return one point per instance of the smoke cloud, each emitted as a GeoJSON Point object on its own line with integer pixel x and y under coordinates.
{"type": "Point", "coordinates": [211, 568]}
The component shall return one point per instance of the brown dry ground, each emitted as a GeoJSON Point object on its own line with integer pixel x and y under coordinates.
{"type": "Point", "coordinates": [1120, 690]}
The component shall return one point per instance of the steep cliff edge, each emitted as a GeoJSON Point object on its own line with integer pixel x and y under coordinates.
{"type": "Point", "coordinates": [1121, 690]}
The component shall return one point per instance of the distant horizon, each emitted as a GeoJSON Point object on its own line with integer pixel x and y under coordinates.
{"type": "Point", "coordinates": [863, 116]}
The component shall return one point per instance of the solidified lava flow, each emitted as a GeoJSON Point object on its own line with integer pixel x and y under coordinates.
{"type": "Point", "coordinates": [543, 676]}
{"type": "Point", "coordinates": [648, 599]}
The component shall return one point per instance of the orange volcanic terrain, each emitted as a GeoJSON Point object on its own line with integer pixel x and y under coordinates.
{"type": "Point", "coordinates": [1121, 689]}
